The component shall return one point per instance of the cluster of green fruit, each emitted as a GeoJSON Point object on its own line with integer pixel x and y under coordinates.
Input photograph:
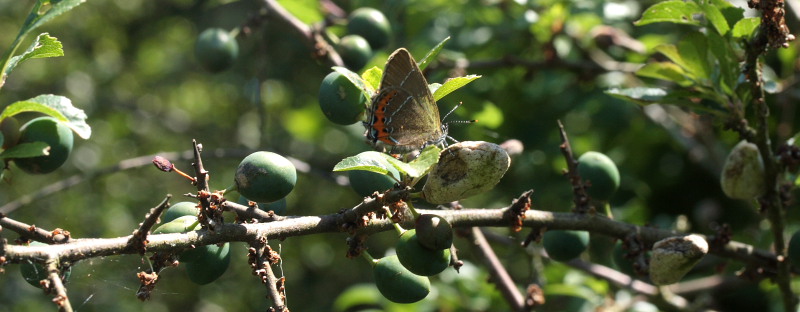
{"type": "Point", "coordinates": [421, 252]}
{"type": "Point", "coordinates": [49, 130]}
{"type": "Point", "coordinates": [368, 30]}
{"type": "Point", "coordinates": [340, 100]}
{"type": "Point", "coordinates": [216, 49]}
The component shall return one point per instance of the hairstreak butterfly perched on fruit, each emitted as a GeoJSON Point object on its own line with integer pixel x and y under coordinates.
{"type": "Point", "coordinates": [403, 113]}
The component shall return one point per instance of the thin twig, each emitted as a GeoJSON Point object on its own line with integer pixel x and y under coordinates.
{"type": "Point", "coordinates": [138, 239]}
{"type": "Point", "coordinates": [261, 258]}
{"type": "Point", "coordinates": [579, 196]}
{"type": "Point", "coordinates": [31, 231]}
{"type": "Point", "coordinates": [497, 272]}
{"type": "Point", "coordinates": [57, 286]}
{"type": "Point", "coordinates": [310, 36]}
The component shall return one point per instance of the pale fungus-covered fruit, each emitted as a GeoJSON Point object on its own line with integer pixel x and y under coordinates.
{"type": "Point", "coordinates": [743, 173]}
{"type": "Point", "coordinates": [673, 257]}
{"type": "Point", "coordinates": [465, 169]}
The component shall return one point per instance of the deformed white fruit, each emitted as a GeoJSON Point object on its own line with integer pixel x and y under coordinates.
{"type": "Point", "coordinates": [673, 257]}
{"type": "Point", "coordinates": [743, 173]}
{"type": "Point", "coordinates": [465, 169]}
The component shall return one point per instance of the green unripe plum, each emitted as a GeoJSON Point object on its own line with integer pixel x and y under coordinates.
{"type": "Point", "coordinates": [397, 283]}
{"type": "Point", "coordinates": [216, 49]}
{"type": "Point", "coordinates": [565, 245]}
{"type": "Point", "coordinates": [206, 264]}
{"type": "Point", "coordinates": [418, 259]}
{"type": "Point", "coordinates": [265, 177]}
{"type": "Point", "coordinates": [279, 206]}
{"type": "Point", "coordinates": [601, 172]}
{"type": "Point", "coordinates": [367, 182]}
{"type": "Point", "coordinates": [794, 249]}
{"type": "Point", "coordinates": [340, 100]}
{"type": "Point", "coordinates": [10, 129]}
{"type": "Point", "coordinates": [370, 24]}
{"type": "Point", "coordinates": [434, 232]}
{"type": "Point", "coordinates": [34, 272]}
{"type": "Point", "coordinates": [51, 131]}
{"type": "Point", "coordinates": [355, 51]}
{"type": "Point", "coordinates": [180, 224]}
{"type": "Point", "coordinates": [179, 210]}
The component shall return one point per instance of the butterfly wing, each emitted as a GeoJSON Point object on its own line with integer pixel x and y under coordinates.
{"type": "Point", "coordinates": [403, 113]}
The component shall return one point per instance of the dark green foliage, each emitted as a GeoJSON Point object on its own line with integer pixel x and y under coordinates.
{"type": "Point", "coordinates": [10, 130]}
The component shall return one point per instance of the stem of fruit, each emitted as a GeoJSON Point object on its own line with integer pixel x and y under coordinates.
{"type": "Point", "coordinates": [607, 210]}
{"type": "Point", "coordinates": [369, 258]}
{"type": "Point", "coordinates": [413, 211]}
{"type": "Point", "coordinates": [400, 230]}
{"type": "Point", "coordinates": [231, 188]}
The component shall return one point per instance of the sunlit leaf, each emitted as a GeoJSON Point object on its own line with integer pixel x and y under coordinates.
{"type": "Point", "coordinates": [367, 161]}
{"type": "Point", "coordinates": [676, 11]}
{"type": "Point", "coordinates": [452, 85]}
{"type": "Point", "coordinates": [745, 27]}
{"type": "Point", "coordinates": [714, 15]}
{"type": "Point", "coordinates": [372, 78]}
{"type": "Point", "coordinates": [26, 150]}
{"type": "Point", "coordinates": [43, 46]}
{"type": "Point", "coordinates": [432, 54]}
{"type": "Point", "coordinates": [56, 106]}
{"type": "Point", "coordinates": [665, 71]}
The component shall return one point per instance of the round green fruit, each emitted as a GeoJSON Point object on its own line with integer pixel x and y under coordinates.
{"type": "Point", "coordinates": [9, 127]}
{"type": "Point", "coordinates": [179, 210]}
{"type": "Point", "coordinates": [51, 131]}
{"type": "Point", "coordinates": [265, 177]}
{"type": "Point", "coordinates": [418, 259]}
{"type": "Point", "coordinates": [355, 51]}
{"type": "Point", "coordinates": [34, 272]}
{"type": "Point", "coordinates": [397, 283]}
{"type": "Point", "coordinates": [278, 207]}
{"type": "Point", "coordinates": [206, 264]}
{"type": "Point", "coordinates": [216, 49]}
{"type": "Point", "coordinates": [601, 172]}
{"type": "Point", "coordinates": [565, 245]}
{"type": "Point", "coordinates": [340, 100]}
{"type": "Point", "coordinates": [370, 24]}
{"type": "Point", "coordinates": [794, 249]}
{"type": "Point", "coordinates": [367, 182]}
{"type": "Point", "coordinates": [180, 224]}
{"type": "Point", "coordinates": [434, 232]}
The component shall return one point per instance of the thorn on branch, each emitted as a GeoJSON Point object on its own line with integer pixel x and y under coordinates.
{"type": "Point", "coordinates": [580, 198]}
{"type": "Point", "coordinates": [138, 240]}
{"type": "Point", "coordinates": [534, 296]}
{"type": "Point", "coordinates": [516, 212]}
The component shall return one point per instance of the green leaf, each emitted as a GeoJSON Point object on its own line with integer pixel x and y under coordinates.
{"type": "Point", "coordinates": [43, 46]}
{"type": "Point", "coordinates": [401, 166]}
{"type": "Point", "coordinates": [694, 52]}
{"type": "Point", "coordinates": [731, 13]}
{"type": "Point", "coordinates": [686, 98]}
{"type": "Point", "coordinates": [432, 54]}
{"type": "Point", "coordinates": [665, 71]}
{"type": "Point", "coordinates": [35, 19]}
{"type": "Point", "coordinates": [453, 84]}
{"type": "Point", "coordinates": [356, 80]}
{"type": "Point", "coordinates": [308, 11]}
{"type": "Point", "coordinates": [746, 27]}
{"type": "Point", "coordinates": [372, 77]}
{"type": "Point", "coordinates": [425, 161]}
{"type": "Point", "coordinates": [714, 15]}
{"type": "Point", "coordinates": [26, 150]}
{"type": "Point", "coordinates": [54, 105]}
{"type": "Point", "coordinates": [675, 11]}
{"type": "Point", "coordinates": [367, 161]}
{"type": "Point", "coordinates": [728, 67]}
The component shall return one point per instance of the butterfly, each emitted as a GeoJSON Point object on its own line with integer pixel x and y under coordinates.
{"type": "Point", "coordinates": [403, 114]}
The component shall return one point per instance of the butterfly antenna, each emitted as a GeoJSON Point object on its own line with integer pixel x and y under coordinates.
{"type": "Point", "coordinates": [456, 121]}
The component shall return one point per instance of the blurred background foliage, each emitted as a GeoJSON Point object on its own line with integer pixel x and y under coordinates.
{"type": "Point", "coordinates": [130, 65]}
